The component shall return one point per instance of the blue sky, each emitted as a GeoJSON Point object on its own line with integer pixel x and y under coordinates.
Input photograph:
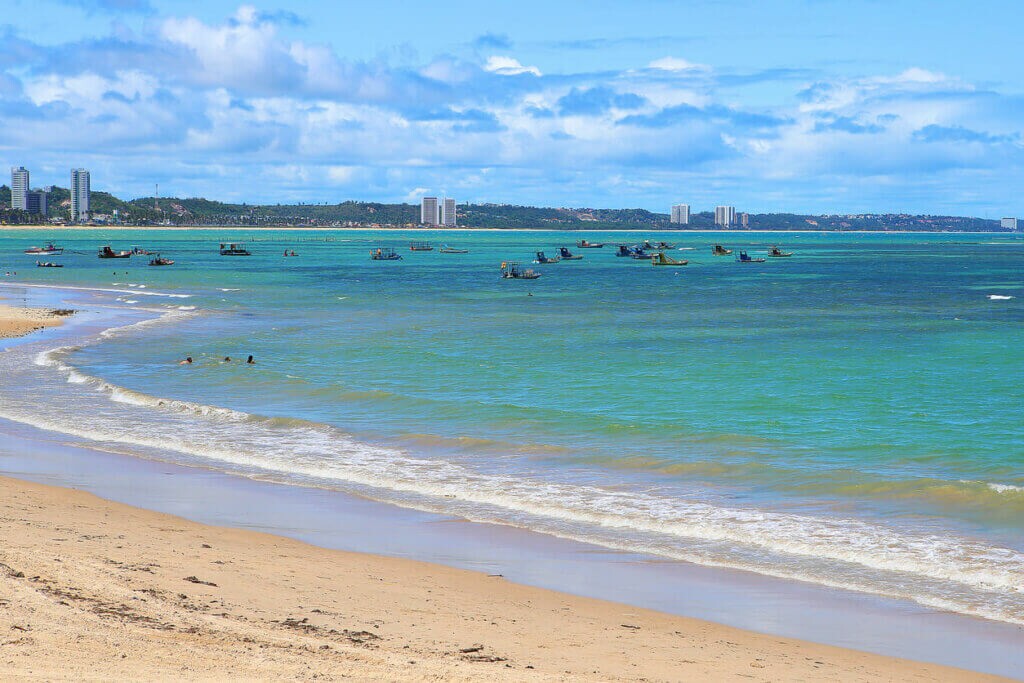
{"type": "Point", "coordinates": [771, 105]}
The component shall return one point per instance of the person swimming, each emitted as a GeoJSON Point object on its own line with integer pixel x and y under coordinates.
{"type": "Point", "coordinates": [250, 361]}
{"type": "Point", "coordinates": [227, 359]}
{"type": "Point", "coordinates": [187, 361]}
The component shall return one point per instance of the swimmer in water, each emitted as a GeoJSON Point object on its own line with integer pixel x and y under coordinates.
{"type": "Point", "coordinates": [187, 361]}
{"type": "Point", "coordinates": [250, 361]}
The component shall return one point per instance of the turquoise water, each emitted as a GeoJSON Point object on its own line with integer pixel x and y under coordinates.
{"type": "Point", "coordinates": [849, 416]}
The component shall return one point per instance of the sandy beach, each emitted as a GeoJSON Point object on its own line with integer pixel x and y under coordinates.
{"type": "Point", "coordinates": [16, 321]}
{"type": "Point", "coordinates": [95, 590]}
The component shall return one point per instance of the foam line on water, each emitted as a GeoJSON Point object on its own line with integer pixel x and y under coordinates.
{"type": "Point", "coordinates": [944, 571]}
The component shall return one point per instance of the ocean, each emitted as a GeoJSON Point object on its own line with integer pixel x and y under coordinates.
{"type": "Point", "coordinates": [850, 416]}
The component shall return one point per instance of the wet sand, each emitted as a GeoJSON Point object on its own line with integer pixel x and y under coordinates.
{"type": "Point", "coordinates": [16, 321]}
{"type": "Point", "coordinates": [91, 589]}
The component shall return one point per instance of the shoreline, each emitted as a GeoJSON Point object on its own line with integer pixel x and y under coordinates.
{"type": "Point", "coordinates": [135, 593]}
{"type": "Point", "coordinates": [938, 624]}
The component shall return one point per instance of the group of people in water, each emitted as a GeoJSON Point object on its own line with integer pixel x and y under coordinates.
{"type": "Point", "coordinates": [227, 359]}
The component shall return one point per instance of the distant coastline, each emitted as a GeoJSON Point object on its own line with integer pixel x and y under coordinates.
{"type": "Point", "coordinates": [106, 210]}
{"type": "Point", "coordinates": [400, 228]}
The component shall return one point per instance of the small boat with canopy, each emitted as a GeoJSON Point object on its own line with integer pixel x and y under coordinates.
{"type": "Point", "coordinates": [510, 270]}
{"type": "Point", "coordinates": [384, 254]}
{"type": "Point", "coordinates": [660, 259]}
{"type": "Point", "coordinates": [542, 258]}
{"type": "Point", "coordinates": [746, 258]}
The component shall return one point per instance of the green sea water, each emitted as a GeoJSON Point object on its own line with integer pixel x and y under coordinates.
{"type": "Point", "coordinates": [850, 416]}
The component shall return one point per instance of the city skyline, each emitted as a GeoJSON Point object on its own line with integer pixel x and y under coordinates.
{"type": "Point", "coordinates": [261, 104]}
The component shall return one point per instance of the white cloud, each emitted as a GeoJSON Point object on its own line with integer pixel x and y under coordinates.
{"type": "Point", "coordinates": [677, 64]}
{"type": "Point", "coordinates": [416, 194]}
{"type": "Point", "coordinates": [507, 66]}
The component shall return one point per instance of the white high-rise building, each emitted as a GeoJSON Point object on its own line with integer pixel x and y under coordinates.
{"type": "Point", "coordinates": [428, 211]}
{"type": "Point", "coordinates": [19, 188]}
{"type": "Point", "coordinates": [448, 213]}
{"type": "Point", "coordinates": [725, 216]}
{"type": "Point", "coordinates": [680, 214]}
{"type": "Point", "coordinates": [1008, 224]}
{"type": "Point", "coordinates": [79, 194]}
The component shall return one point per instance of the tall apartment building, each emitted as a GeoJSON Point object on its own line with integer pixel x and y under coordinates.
{"type": "Point", "coordinates": [725, 216]}
{"type": "Point", "coordinates": [428, 211]}
{"type": "Point", "coordinates": [19, 188]}
{"type": "Point", "coordinates": [79, 194]}
{"type": "Point", "coordinates": [448, 213]}
{"type": "Point", "coordinates": [1008, 224]}
{"type": "Point", "coordinates": [744, 220]}
{"type": "Point", "coordinates": [680, 214]}
{"type": "Point", "coordinates": [35, 202]}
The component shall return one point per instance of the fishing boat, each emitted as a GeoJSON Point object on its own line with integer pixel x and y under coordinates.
{"type": "Point", "coordinates": [566, 255]}
{"type": "Point", "coordinates": [583, 244]}
{"type": "Point", "coordinates": [48, 264]}
{"type": "Point", "coordinates": [229, 249]}
{"type": "Point", "coordinates": [445, 249]}
{"type": "Point", "coordinates": [659, 246]}
{"type": "Point", "coordinates": [660, 259]}
{"type": "Point", "coordinates": [510, 270]}
{"type": "Point", "coordinates": [107, 252]}
{"type": "Point", "coordinates": [160, 261]}
{"type": "Point", "coordinates": [775, 252]}
{"type": "Point", "coordinates": [141, 251]}
{"type": "Point", "coordinates": [744, 258]}
{"type": "Point", "coordinates": [48, 250]}
{"type": "Point", "coordinates": [635, 252]}
{"type": "Point", "coordinates": [719, 250]}
{"type": "Point", "coordinates": [384, 254]}
{"type": "Point", "coordinates": [542, 259]}
{"type": "Point", "coordinates": [420, 246]}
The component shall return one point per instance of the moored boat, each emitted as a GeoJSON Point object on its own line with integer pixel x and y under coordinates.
{"type": "Point", "coordinates": [542, 259]}
{"type": "Point", "coordinates": [48, 264]}
{"type": "Point", "coordinates": [584, 244]}
{"type": "Point", "coordinates": [49, 250]}
{"type": "Point", "coordinates": [107, 252]}
{"type": "Point", "coordinates": [160, 261]}
{"type": "Point", "coordinates": [510, 270]}
{"type": "Point", "coordinates": [660, 259]}
{"type": "Point", "coordinates": [634, 252]}
{"type": "Point", "coordinates": [384, 254]}
{"type": "Point", "coordinates": [719, 250]}
{"type": "Point", "coordinates": [445, 249]}
{"type": "Point", "coordinates": [566, 255]}
{"type": "Point", "coordinates": [420, 246]}
{"type": "Point", "coordinates": [775, 252]}
{"type": "Point", "coordinates": [230, 249]}
{"type": "Point", "coordinates": [660, 245]}
{"type": "Point", "coordinates": [745, 258]}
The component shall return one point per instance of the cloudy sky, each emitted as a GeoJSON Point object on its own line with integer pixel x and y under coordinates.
{"type": "Point", "coordinates": [771, 105]}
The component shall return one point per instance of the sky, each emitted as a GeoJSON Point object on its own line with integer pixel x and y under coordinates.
{"type": "Point", "coordinates": [803, 106]}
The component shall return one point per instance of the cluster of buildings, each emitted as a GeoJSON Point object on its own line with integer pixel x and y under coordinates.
{"type": "Point", "coordinates": [436, 213]}
{"type": "Point", "coordinates": [23, 198]}
{"type": "Point", "coordinates": [1008, 224]}
{"type": "Point", "coordinates": [725, 216]}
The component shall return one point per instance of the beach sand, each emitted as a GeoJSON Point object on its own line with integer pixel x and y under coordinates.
{"type": "Point", "coordinates": [15, 321]}
{"type": "Point", "coordinates": [96, 590]}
